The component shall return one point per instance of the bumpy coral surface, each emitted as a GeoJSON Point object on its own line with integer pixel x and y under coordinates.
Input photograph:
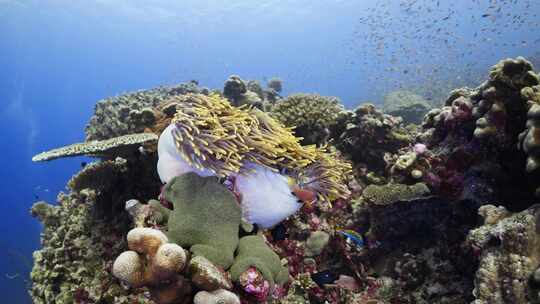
{"type": "Point", "coordinates": [311, 115]}
{"type": "Point", "coordinates": [508, 246]}
{"type": "Point", "coordinates": [366, 134]}
{"type": "Point", "coordinates": [132, 112]}
{"type": "Point", "coordinates": [409, 106]}
{"type": "Point", "coordinates": [77, 252]}
{"type": "Point", "coordinates": [205, 217]}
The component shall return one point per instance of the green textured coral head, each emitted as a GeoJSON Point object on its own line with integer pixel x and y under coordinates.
{"type": "Point", "coordinates": [205, 217]}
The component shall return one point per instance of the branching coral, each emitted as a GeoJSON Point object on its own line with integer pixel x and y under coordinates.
{"type": "Point", "coordinates": [530, 138]}
{"type": "Point", "coordinates": [411, 107]}
{"type": "Point", "coordinates": [310, 114]}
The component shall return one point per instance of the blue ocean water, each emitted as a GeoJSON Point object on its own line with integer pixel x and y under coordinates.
{"type": "Point", "coordinates": [57, 58]}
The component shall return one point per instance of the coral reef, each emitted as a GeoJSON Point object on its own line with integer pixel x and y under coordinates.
{"type": "Point", "coordinates": [365, 135]}
{"type": "Point", "coordinates": [265, 219]}
{"type": "Point", "coordinates": [507, 246]}
{"type": "Point", "coordinates": [311, 115]}
{"type": "Point", "coordinates": [407, 105]}
{"type": "Point", "coordinates": [153, 261]}
{"type": "Point", "coordinates": [212, 135]}
{"type": "Point", "coordinates": [132, 112]}
{"type": "Point", "coordinates": [117, 146]}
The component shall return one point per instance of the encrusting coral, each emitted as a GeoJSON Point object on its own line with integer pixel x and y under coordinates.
{"type": "Point", "coordinates": [154, 262]}
{"type": "Point", "coordinates": [507, 247]}
{"type": "Point", "coordinates": [310, 115]}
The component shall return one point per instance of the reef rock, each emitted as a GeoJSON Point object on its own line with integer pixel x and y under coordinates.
{"type": "Point", "coordinates": [407, 105]}
{"type": "Point", "coordinates": [508, 247]}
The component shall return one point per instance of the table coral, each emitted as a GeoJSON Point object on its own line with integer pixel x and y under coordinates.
{"type": "Point", "coordinates": [132, 112]}
{"type": "Point", "coordinates": [117, 146]}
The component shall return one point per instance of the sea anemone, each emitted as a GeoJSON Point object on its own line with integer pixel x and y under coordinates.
{"type": "Point", "coordinates": [212, 137]}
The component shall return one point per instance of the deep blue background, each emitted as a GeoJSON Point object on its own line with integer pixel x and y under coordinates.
{"type": "Point", "coordinates": [57, 58]}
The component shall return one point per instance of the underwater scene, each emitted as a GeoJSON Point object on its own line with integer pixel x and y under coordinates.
{"type": "Point", "coordinates": [270, 151]}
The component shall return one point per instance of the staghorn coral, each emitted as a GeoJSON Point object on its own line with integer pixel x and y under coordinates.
{"type": "Point", "coordinates": [118, 146]}
{"type": "Point", "coordinates": [152, 261]}
{"type": "Point", "coordinates": [236, 91]}
{"type": "Point", "coordinates": [390, 193]}
{"type": "Point", "coordinates": [482, 127]}
{"type": "Point", "coordinates": [311, 115]}
{"type": "Point", "coordinates": [208, 276]}
{"type": "Point", "coordinates": [212, 135]}
{"type": "Point", "coordinates": [132, 112]}
{"type": "Point", "coordinates": [205, 217]}
{"type": "Point", "coordinates": [407, 105]}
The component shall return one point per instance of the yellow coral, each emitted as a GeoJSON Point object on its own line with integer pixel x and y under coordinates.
{"type": "Point", "coordinates": [212, 134]}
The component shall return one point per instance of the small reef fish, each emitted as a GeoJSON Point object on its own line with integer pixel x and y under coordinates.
{"type": "Point", "coordinates": [352, 237]}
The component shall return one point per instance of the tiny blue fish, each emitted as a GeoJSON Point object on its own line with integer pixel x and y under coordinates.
{"type": "Point", "coordinates": [352, 236]}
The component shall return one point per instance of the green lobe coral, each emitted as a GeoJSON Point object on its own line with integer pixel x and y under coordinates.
{"type": "Point", "coordinates": [206, 217]}
{"type": "Point", "coordinates": [253, 251]}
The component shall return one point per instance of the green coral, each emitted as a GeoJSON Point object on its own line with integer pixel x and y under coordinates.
{"type": "Point", "coordinates": [206, 217]}
{"type": "Point", "coordinates": [390, 193]}
{"type": "Point", "coordinates": [253, 251]}
{"type": "Point", "coordinates": [311, 114]}
{"type": "Point", "coordinates": [76, 248]}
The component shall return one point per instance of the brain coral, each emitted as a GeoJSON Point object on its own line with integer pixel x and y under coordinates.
{"type": "Point", "coordinates": [310, 114]}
